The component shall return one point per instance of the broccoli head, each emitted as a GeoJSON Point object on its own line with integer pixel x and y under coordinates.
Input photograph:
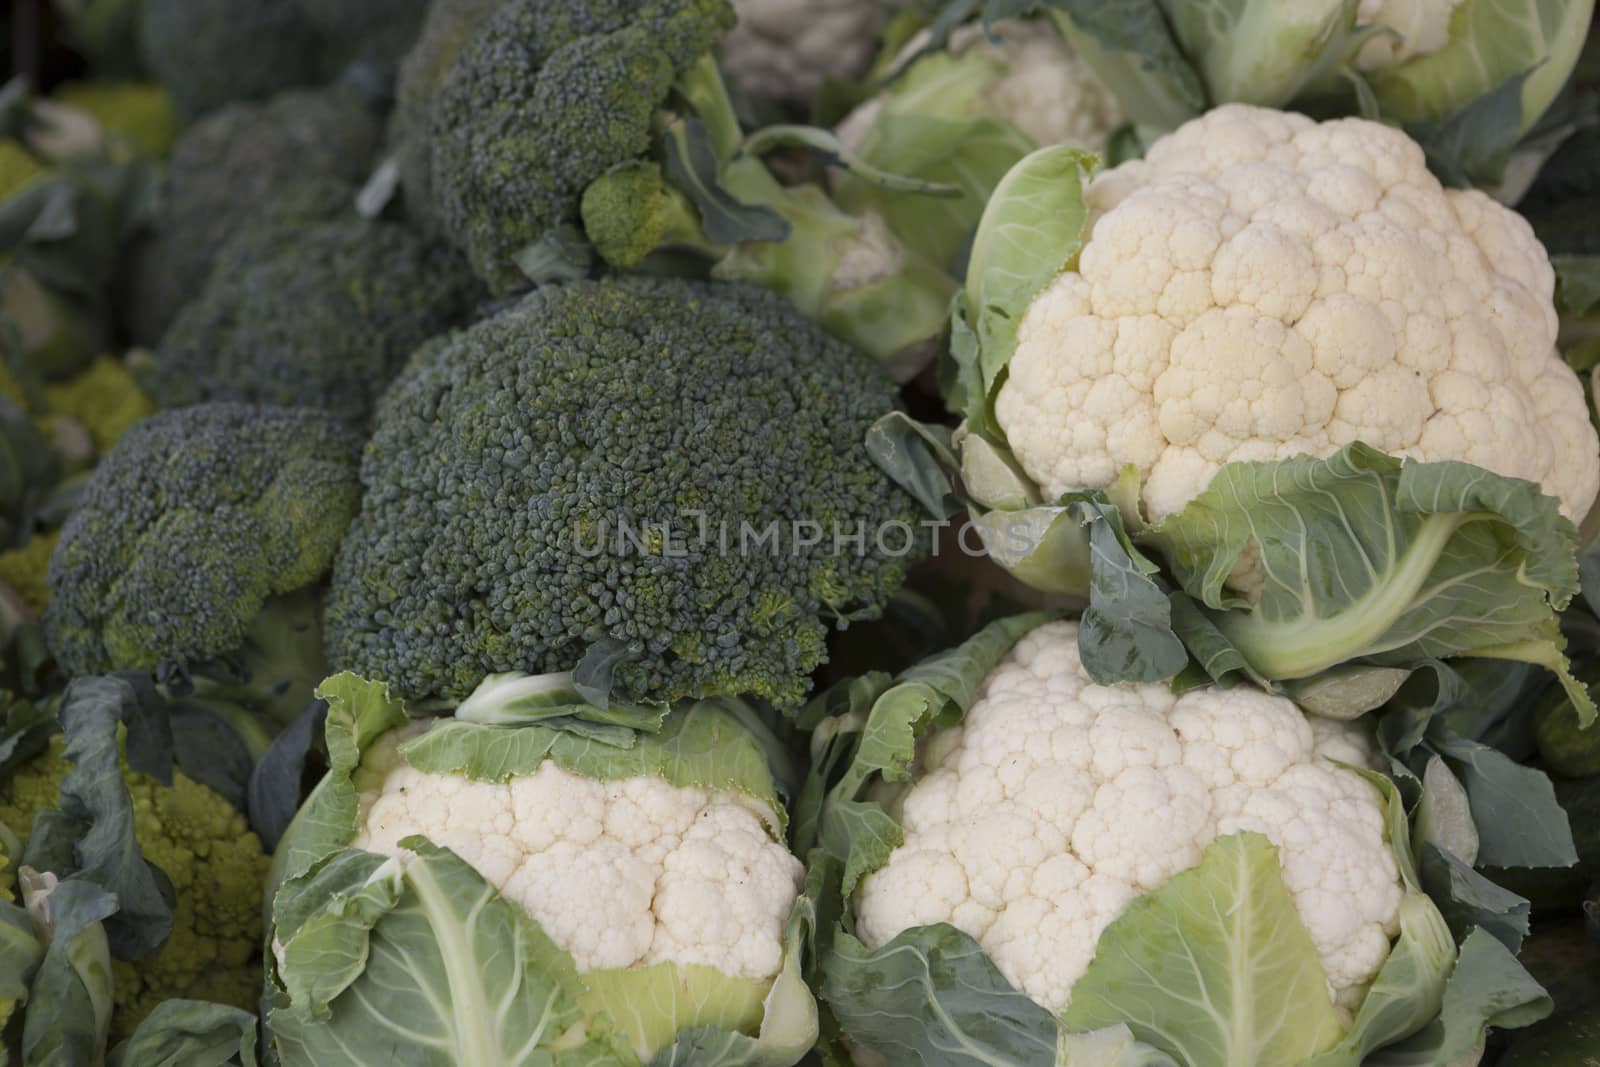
{"type": "Point", "coordinates": [311, 306]}
{"type": "Point", "coordinates": [221, 171]}
{"type": "Point", "coordinates": [199, 532]}
{"type": "Point", "coordinates": [546, 97]}
{"type": "Point", "coordinates": [624, 471]}
{"type": "Point", "coordinates": [218, 872]}
{"type": "Point", "coordinates": [213, 52]}
{"type": "Point", "coordinates": [446, 30]}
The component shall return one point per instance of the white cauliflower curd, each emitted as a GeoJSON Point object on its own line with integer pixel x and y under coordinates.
{"type": "Point", "coordinates": [621, 873]}
{"type": "Point", "coordinates": [1262, 286]}
{"type": "Point", "coordinates": [1058, 801]}
{"type": "Point", "coordinates": [786, 49]}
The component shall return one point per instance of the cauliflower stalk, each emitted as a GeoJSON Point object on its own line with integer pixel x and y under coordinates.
{"type": "Point", "coordinates": [1210, 873]}
{"type": "Point", "coordinates": [642, 871]}
{"type": "Point", "coordinates": [1233, 362]}
{"type": "Point", "coordinates": [961, 116]}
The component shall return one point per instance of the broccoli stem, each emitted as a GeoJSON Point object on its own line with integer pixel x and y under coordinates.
{"type": "Point", "coordinates": [280, 662]}
{"type": "Point", "coordinates": [703, 89]}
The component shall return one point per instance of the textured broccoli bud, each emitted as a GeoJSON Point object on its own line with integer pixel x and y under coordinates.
{"type": "Point", "coordinates": [548, 96]}
{"type": "Point", "coordinates": [222, 170]}
{"type": "Point", "coordinates": [188, 530]}
{"type": "Point", "coordinates": [213, 52]}
{"type": "Point", "coordinates": [631, 212]}
{"type": "Point", "coordinates": [311, 306]}
{"type": "Point", "coordinates": [577, 472]}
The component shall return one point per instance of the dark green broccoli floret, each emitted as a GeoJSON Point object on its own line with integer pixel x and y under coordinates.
{"type": "Point", "coordinates": [449, 26]}
{"type": "Point", "coordinates": [196, 525]}
{"type": "Point", "coordinates": [548, 96]}
{"type": "Point", "coordinates": [509, 457]}
{"type": "Point", "coordinates": [311, 306]}
{"type": "Point", "coordinates": [213, 52]}
{"type": "Point", "coordinates": [221, 172]}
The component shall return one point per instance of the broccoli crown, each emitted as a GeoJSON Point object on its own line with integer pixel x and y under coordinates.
{"type": "Point", "coordinates": [547, 96]}
{"type": "Point", "coordinates": [311, 306]}
{"type": "Point", "coordinates": [448, 27]}
{"type": "Point", "coordinates": [515, 466]}
{"type": "Point", "coordinates": [104, 399]}
{"type": "Point", "coordinates": [221, 171]}
{"type": "Point", "coordinates": [218, 873]}
{"type": "Point", "coordinates": [212, 52]}
{"type": "Point", "coordinates": [188, 525]}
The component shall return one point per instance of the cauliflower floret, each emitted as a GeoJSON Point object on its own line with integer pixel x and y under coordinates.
{"type": "Point", "coordinates": [1064, 800]}
{"type": "Point", "coordinates": [1262, 286]}
{"type": "Point", "coordinates": [1046, 91]}
{"type": "Point", "coordinates": [619, 873]}
{"type": "Point", "coordinates": [786, 49]}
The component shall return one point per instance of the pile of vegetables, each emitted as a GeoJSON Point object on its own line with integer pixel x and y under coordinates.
{"type": "Point", "coordinates": [749, 533]}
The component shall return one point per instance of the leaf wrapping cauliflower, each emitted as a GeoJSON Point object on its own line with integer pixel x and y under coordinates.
{"type": "Point", "coordinates": [1058, 802]}
{"type": "Point", "coordinates": [1262, 286]}
{"type": "Point", "coordinates": [1040, 86]}
{"type": "Point", "coordinates": [786, 49]}
{"type": "Point", "coordinates": [1419, 28]}
{"type": "Point", "coordinates": [623, 873]}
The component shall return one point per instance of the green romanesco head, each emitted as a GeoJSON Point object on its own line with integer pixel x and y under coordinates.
{"type": "Point", "coordinates": [138, 113]}
{"type": "Point", "coordinates": [24, 568]}
{"type": "Point", "coordinates": [312, 305]}
{"type": "Point", "coordinates": [104, 399]}
{"type": "Point", "coordinates": [189, 525]}
{"type": "Point", "coordinates": [18, 167]}
{"type": "Point", "coordinates": [548, 96]}
{"type": "Point", "coordinates": [509, 457]}
{"type": "Point", "coordinates": [218, 872]}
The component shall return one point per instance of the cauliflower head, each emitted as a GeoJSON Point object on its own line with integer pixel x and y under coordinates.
{"type": "Point", "coordinates": [621, 873]}
{"type": "Point", "coordinates": [1041, 86]}
{"type": "Point", "coordinates": [1420, 28]}
{"type": "Point", "coordinates": [217, 869]}
{"type": "Point", "coordinates": [1262, 286]}
{"type": "Point", "coordinates": [786, 49]}
{"type": "Point", "coordinates": [1058, 802]}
